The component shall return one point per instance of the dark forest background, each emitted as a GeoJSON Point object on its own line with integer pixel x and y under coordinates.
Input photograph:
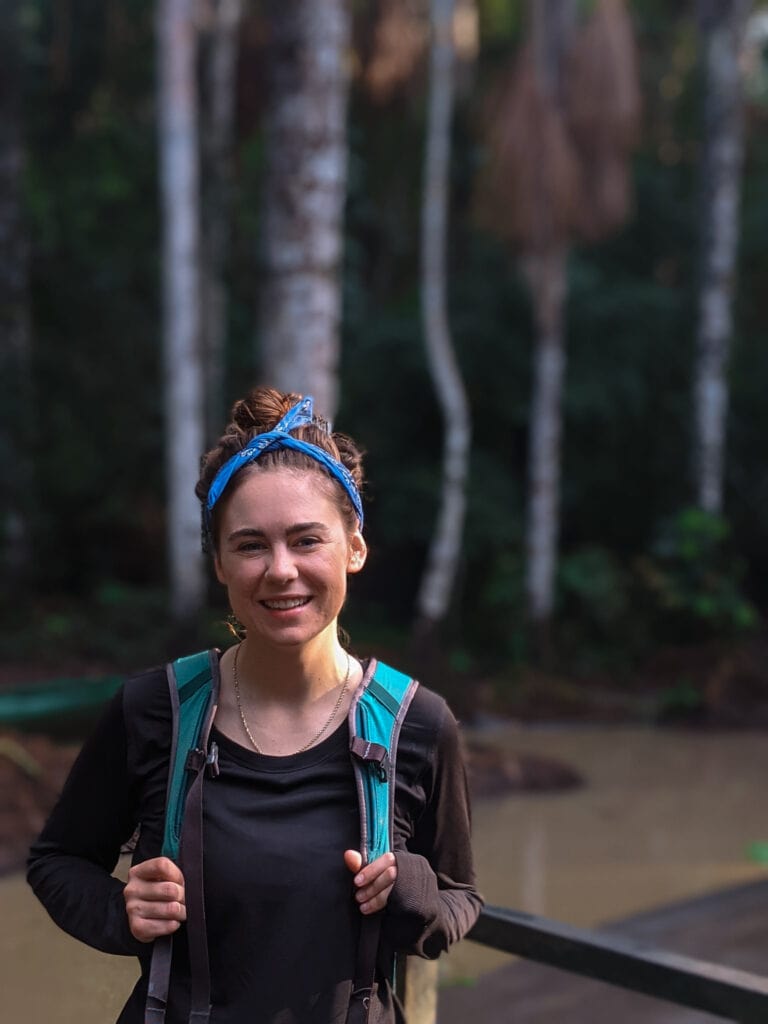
{"type": "Point", "coordinates": [651, 590]}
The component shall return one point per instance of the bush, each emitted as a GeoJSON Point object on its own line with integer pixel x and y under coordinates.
{"type": "Point", "coordinates": [693, 579]}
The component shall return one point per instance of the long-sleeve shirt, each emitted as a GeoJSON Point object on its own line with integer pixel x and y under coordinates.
{"type": "Point", "coordinates": [281, 919]}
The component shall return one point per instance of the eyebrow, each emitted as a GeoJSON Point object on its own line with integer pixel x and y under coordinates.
{"type": "Point", "coordinates": [252, 531]}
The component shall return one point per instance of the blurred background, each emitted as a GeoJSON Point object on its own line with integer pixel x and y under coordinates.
{"type": "Point", "coordinates": [517, 251]}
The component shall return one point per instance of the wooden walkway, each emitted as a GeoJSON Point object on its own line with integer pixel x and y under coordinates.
{"type": "Point", "coordinates": [728, 928]}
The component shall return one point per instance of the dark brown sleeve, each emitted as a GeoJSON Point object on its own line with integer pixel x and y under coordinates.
{"type": "Point", "coordinates": [435, 901]}
{"type": "Point", "coordinates": [70, 864]}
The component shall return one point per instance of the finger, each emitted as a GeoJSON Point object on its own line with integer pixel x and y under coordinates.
{"type": "Point", "coordinates": [158, 911]}
{"type": "Point", "coordinates": [158, 869]}
{"type": "Point", "coordinates": [353, 859]}
{"type": "Point", "coordinates": [148, 931]}
{"type": "Point", "coordinates": [384, 880]}
{"type": "Point", "coordinates": [374, 869]}
{"type": "Point", "coordinates": [377, 903]}
{"type": "Point", "coordinates": [155, 892]}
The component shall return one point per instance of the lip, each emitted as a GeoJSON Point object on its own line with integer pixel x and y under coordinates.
{"type": "Point", "coordinates": [303, 600]}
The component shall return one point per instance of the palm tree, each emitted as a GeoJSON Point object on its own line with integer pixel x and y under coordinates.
{"type": "Point", "coordinates": [561, 123]}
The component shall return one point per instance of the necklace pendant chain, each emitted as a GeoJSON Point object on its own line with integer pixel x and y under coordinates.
{"type": "Point", "coordinates": [318, 734]}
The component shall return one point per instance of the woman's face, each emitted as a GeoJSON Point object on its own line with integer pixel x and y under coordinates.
{"type": "Point", "coordinates": [283, 554]}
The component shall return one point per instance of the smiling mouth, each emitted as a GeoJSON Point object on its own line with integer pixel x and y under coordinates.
{"type": "Point", "coordinates": [286, 604]}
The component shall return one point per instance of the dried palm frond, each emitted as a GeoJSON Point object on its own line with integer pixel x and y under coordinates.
{"type": "Point", "coordinates": [557, 159]}
{"type": "Point", "coordinates": [603, 108]}
{"type": "Point", "coordinates": [528, 189]}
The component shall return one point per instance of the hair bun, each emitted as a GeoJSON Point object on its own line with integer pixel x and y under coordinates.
{"type": "Point", "coordinates": [262, 409]}
{"type": "Point", "coordinates": [242, 416]}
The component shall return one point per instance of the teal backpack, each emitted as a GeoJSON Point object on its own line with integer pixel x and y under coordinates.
{"type": "Point", "coordinates": [375, 716]}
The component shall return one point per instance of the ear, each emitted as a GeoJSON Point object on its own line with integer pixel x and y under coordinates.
{"type": "Point", "coordinates": [217, 567]}
{"type": "Point", "coordinates": [358, 552]}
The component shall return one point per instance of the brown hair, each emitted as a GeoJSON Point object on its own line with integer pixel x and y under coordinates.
{"type": "Point", "coordinates": [260, 411]}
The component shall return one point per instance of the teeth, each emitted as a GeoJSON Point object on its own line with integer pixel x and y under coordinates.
{"type": "Point", "coordinates": [293, 602]}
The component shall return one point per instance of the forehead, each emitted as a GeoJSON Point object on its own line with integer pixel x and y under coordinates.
{"type": "Point", "coordinates": [281, 495]}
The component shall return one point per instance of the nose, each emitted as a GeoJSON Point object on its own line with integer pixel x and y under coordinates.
{"type": "Point", "coordinates": [281, 566]}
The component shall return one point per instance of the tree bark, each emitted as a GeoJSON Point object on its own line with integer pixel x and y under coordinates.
{"type": "Point", "coordinates": [180, 203]}
{"type": "Point", "coordinates": [218, 110]}
{"type": "Point", "coordinates": [15, 369]}
{"type": "Point", "coordinates": [546, 273]}
{"type": "Point", "coordinates": [303, 199]}
{"type": "Point", "coordinates": [442, 561]}
{"type": "Point", "coordinates": [722, 25]}
{"type": "Point", "coordinates": [545, 263]}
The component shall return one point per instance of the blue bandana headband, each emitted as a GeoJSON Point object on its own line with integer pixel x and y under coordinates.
{"type": "Point", "coordinates": [280, 437]}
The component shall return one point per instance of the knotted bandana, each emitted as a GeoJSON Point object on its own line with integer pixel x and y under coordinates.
{"type": "Point", "coordinates": [280, 437]}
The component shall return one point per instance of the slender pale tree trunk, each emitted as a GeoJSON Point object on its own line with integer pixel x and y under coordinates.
{"type": "Point", "coordinates": [304, 193]}
{"type": "Point", "coordinates": [546, 273]}
{"type": "Point", "coordinates": [545, 263]}
{"type": "Point", "coordinates": [440, 573]}
{"type": "Point", "coordinates": [15, 371]}
{"type": "Point", "coordinates": [220, 70]}
{"type": "Point", "coordinates": [722, 28]}
{"type": "Point", "coordinates": [180, 204]}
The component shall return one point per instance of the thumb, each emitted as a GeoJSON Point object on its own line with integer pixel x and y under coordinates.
{"type": "Point", "coordinates": [354, 860]}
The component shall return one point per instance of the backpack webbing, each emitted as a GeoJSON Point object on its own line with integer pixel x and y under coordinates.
{"type": "Point", "coordinates": [191, 698]}
{"type": "Point", "coordinates": [375, 716]}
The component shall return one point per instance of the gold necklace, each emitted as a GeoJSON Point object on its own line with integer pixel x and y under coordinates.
{"type": "Point", "coordinates": [317, 735]}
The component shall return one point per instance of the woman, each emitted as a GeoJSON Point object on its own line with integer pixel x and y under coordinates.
{"type": "Point", "coordinates": [285, 887]}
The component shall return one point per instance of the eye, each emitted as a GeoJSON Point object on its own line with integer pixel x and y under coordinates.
{"type": "Point", "coordinates": [251, 545]}
{"type": "Point", "coordinates": [308, 542]}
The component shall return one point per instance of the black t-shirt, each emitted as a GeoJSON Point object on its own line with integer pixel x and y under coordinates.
{"type": "Point", "coordinates": [281, 919]}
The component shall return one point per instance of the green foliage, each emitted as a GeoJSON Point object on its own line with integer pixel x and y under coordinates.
{"type": "Point", "coordinates": [120, 626]}
{"type": "Point", "coordinates": [694, 578]}
{"type": "Point", "coordinates": [94, 235]}
{"type": "Point", "coordinates": [592, 580]}
{"type": "Point", "coordinates": [679, 701]}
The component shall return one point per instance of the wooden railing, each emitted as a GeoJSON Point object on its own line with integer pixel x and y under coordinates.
{"type": "Point", "coordinates": [724, 991]}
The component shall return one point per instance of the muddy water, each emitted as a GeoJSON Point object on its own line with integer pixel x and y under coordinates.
{"type": "Point", "coordinates": [662, 816]}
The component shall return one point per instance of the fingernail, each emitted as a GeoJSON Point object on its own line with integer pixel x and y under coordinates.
{"type": "Point", "coordinates": [359, 879]}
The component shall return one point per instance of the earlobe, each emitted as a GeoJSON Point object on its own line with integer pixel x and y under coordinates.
{"type": "Point", "coordinates": [217, 567]}
{"type": "Point", "coordinates": [358, 551]}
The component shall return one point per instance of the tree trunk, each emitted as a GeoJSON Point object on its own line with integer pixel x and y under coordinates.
{"type": "Point", "coordinates": [304, 193]}
{"type": "Point", "coordinates": [722, 27]}
{"type": "Point", "coordinates": [180, 204]}
{"type": "Point", "coordinates": [545, 265]}
{"type": "Point", "coordinates": [547, 276]}
{"type": "Point", "coordinates": [220, 68]}
{"type": "Point", "coordinates": [15, 371]}
{"type": "Point", "coordinates": [438, 580]}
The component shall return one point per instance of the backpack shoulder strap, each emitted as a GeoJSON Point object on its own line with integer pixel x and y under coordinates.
{"type": "Point", "coordinates": [376, 715]}
{"type": "Point", "coordinates": [192, 682]}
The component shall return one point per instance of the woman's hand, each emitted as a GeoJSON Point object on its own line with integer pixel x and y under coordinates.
{"type": "Point", "coordinates": [374, 882]}
{"type": "Point", "coordinates": [154, 899]}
